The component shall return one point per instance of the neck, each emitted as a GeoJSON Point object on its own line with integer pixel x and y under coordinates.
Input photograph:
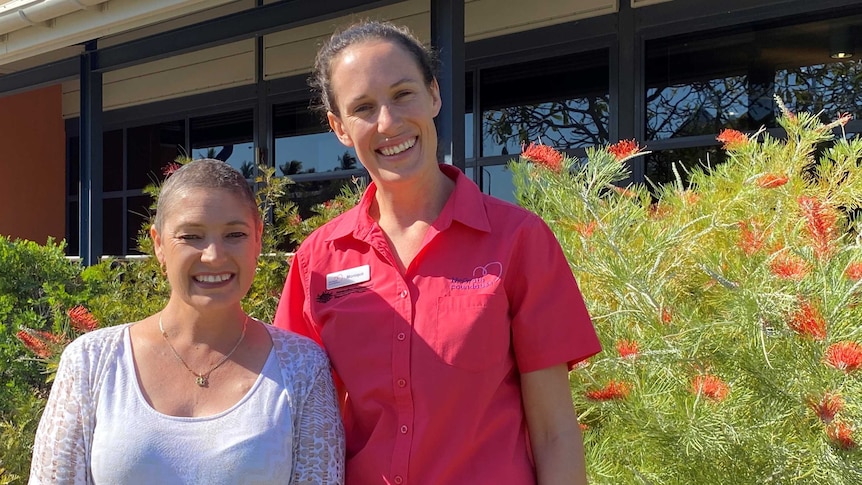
{"type": "Point", "coordinates": [417, 200]}
{"type": "Point", "coordinates": [190, 324]}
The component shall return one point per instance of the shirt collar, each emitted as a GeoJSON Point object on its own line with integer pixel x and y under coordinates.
{"type": "Point", "coordinates": [466, 205]}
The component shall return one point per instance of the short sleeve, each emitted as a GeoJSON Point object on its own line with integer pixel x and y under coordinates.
{"type": "Point", "coordinates": [550, 321]}
{"type": "Point", "coordinates": [61, 452]}
{"type": "Point", "coordinates": [291, 312]}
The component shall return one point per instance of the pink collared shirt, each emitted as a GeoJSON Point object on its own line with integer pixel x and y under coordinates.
{"type": "Point", "coordinates": [431, 358]}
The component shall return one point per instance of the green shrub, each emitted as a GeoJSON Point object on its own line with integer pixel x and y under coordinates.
{"type": "Point", "coordinates": [729, 306]}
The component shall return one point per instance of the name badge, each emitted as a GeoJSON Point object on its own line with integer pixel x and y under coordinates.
{"type": "Point", "coordinates": [347, 277]}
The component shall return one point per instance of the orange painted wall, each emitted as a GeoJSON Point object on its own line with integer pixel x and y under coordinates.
{"type": "Point", "coordinates": [32, 165]}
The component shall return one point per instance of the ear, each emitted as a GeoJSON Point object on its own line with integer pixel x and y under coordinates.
{"type": "Point", "coordinates": [435, 97]}
{"type": "Point", "coordinates": [338, 128]}
{"type": "Point", "coordinates": [157, 244]}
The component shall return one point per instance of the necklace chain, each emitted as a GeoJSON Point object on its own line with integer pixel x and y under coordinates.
{"type": "Point", "coordinates": [202, 379]}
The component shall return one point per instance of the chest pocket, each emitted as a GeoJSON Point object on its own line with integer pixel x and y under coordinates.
{"type": "Point", "coordinates": [472, 332]}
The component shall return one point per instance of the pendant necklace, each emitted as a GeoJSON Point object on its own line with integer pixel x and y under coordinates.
{"type": "Point", "coordinates": [202, 379]}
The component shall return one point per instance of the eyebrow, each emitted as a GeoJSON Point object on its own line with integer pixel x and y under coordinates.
{"type": "Point", "coordinates": [182, 225]}
{"type": "Point", "coordinates": [406, 80]}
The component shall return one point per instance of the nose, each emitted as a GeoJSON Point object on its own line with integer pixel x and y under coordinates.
{"type": "Point", "coordinates": [387, 120]}
{"type": "Point", "coordinates": [212, 251]}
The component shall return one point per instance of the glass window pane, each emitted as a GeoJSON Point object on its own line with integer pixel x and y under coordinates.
{"type": "Point", "coordinates": [562, 102]}
{"type": "Point", "coordinates": [497, 181]}
{"type": "Point", "coordinates": [74, 175]}
{"type": "Point", "coordinates": [72, 230]}
{"type": "Point", "coordinates": [659, 164]}
{"type": "Point", "coordinates": [112, 230]}
{"type": "Point", "coordinates": [112, 160]}
{"type": "Point", "coordinates": [304, 145]}
{"type": "Point", "coordinates": [699, 84]}
{"type": "Point", "coordinates": [151, 148]}
{"type": "Point", "coordinates": [137, 216]}
{"type": "Point", "coordinates": [228, 137]}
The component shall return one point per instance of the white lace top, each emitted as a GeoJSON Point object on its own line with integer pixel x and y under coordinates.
{"type": "Point", "coordinates": [98, 428]}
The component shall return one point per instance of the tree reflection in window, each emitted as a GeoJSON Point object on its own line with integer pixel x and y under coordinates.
{"type": "Point", "coordinates": [697, 108]}
{"type": "Point", "coordinates": [829, 89]}
{"type": "Point", "coordinates": [562, 102]}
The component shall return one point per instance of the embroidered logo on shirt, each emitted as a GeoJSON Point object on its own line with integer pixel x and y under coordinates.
{"type": "Point", "coordinates": [328, 296]}
{"type": "Point", "coordinates": [482, 277]}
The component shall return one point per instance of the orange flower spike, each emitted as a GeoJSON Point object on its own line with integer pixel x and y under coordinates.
{"type": "Point", "coordinates": [584, 229]}
{"type": "Point", "coordinates": [82, 320]}
{"type": "Point", "coordinates": [628, 349]}
{"type": "Point", "coordinates": [807, 321]}
{"type": "Point", "coordinates": [841, 434]}
{"type": "Point", "coordinates": [789, 267]}
{"type": "Point", "coordinates": [771, 181]}
{"type": "Point", "coordinates": [710, 386]}
{"type": "Point", "coordinates": [666, 315]}
{"type": "Point", "coordinates": [170, 168]}
{"type": "Point", "coordinates": [828, 407]}
{"type": "Point", "coordinates": [732, 139]}
{"type": "Point", "coordinates": [846, 356]}
{"type": "Point", "coordinates": [36, 345]}
{"type": "Point", "coordinates": [624, 149]}
{"type": "Point", "coordinates": [631, 194]}
{"type": "Point", "coordinates": [613, 391]}
{"type": "Point", "coordinates": [543, 155]}
{"type": "Point", "coordinates": [854, 271]}
{"type": "Point", "coordinates": [752, 237]}
{"type": "Point", "coordinates": [820, 224]}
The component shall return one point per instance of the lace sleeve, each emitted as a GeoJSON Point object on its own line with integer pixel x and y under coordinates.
{"type": "Point", "coordinates": [61, 452]}
{"type": "Point", "coordinates": [318, 448]}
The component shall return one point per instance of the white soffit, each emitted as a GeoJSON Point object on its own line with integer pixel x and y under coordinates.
{"type": "Point", "coordinates": [32, 27]}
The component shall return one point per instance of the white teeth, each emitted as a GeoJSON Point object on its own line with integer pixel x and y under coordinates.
{"type": "Point", "coordinates": [213, 278]}
{"type": "Point", "coordinates": [388, 151]}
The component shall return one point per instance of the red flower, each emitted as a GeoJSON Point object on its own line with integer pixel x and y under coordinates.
{"type": "Point", "coordinates": [820, 224]}
{"type": "Point", "coordinates": [624, 149]}
{"type": "Point", "coordinates": [585, 230]}
{"type": "Point", "coordinates": [771, 181]}
{"type": "Point", "coordinates": [732, 139]}
{"type": "Point", "coordinates": [841, 434]}
{"type": "Point", "coordinates": [854, 271]}
{"type": "Point", "coordinates": [666, 315]}
{"type": "Point", "coordinates": [788, 266]}
{"type": "Point", "coordinates": [807, 321]}
{"type": "Point", "coordinates": [659, 211]}
{"type": "Point", "coordinates": [82, 320]}
{"type": "Point", "coordinates": [828, 407]}
{"type": "Point", "coordinates": [751, 237]}
{"type": "Point", "coordinates": [710, 386]}
{"type": "Point", "coordinates": [295, 220]}
{"type": "Point", "coordinates": [614, 390]}
{"type": "Point", "coordinates": [627, 348]}
{"type": "Point", "coordinates": [543, 155]}
{"type": "Point", "coordinates": [50, 337]}
{"type": "Point", "coordinates": [170, 168]}
{"type": "Point", "coordinates": [583, 426]}
{"type": "Point", "coordinates": [35, 344]}
{"type": "Point", "coordinates": [846, 356]}
{"type": "Point", "coordinates": [690, 197]}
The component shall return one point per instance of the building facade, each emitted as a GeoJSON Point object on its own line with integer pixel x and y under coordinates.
{"type": "Point", "coordinates": [98, 96]}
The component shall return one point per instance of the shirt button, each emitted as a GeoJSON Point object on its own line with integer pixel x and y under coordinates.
{"type": "Point", "coordinates": [398, 479]}
{"type": "Point", "coordinates": [403, 294]}
{"type": "Point", "coordinates": [402, 382]}
{"type": "Point", "coordinates": [401, 336]}
{"type": "Point", "coordinates": [404, 429]}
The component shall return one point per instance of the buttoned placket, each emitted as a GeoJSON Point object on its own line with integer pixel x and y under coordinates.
{"type": "Point", "coordinates": [403, 305]}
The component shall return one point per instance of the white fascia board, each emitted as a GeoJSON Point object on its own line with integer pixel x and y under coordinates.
{"type": "Point", "coordinates": [107, 18]}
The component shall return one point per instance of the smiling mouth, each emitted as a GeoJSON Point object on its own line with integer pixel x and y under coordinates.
{"type": "Point", "coordinates": [215, 278]}
{"type": "Point", "coordinates": [395, 150]}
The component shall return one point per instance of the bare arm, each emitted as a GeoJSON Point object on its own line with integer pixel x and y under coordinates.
{"type": "Point", "coordinates": [555, 437]}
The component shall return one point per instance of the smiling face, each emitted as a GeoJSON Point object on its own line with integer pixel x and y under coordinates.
{"type": "Point", "coordinates": [385, 110]}
{"type": "Point", "coordinates": [208, 242]}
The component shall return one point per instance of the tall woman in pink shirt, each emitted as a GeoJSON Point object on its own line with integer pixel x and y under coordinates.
{"type": "Point", "coordinates": [451, 318]}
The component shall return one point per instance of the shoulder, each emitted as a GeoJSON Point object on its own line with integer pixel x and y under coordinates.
{"type": "Point", "coordinates": [508, 216]}
{"type": "Point", "coordinates": [297, 353]}
{"type": "Point", "coordinates": [96, 343]}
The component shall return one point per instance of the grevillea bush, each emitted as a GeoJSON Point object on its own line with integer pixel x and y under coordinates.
{"type": "Point", "coordinates": [729, 305]}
